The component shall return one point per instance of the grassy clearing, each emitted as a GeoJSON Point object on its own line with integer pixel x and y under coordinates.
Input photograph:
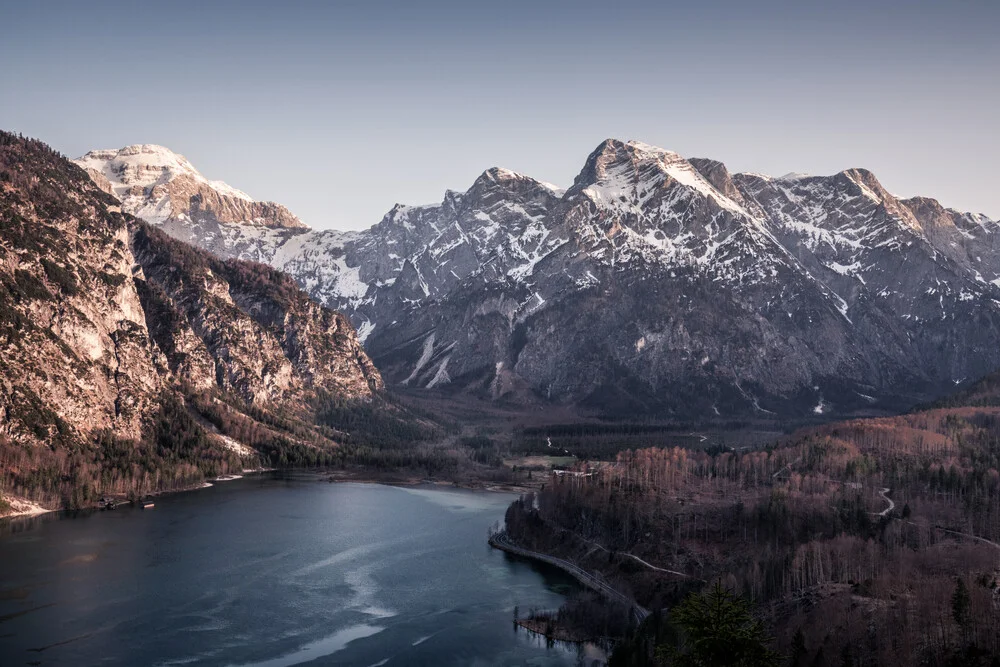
{"type": "Point", "coordinates": [540, 462]}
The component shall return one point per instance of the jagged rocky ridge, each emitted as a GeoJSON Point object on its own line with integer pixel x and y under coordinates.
{"type": "Point", "coordinates": [104, 320]}
{"type": "Point", "coordinates": [653, 284]}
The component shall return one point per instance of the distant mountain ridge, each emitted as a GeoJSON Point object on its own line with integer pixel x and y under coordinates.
{"type": "Point", "coordinates": [653, 284]}
{"type": "Point", "coordinates": [161, 186]}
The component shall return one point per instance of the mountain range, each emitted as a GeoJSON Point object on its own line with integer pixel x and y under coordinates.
{"type": "Point", "coordinates": [129, 360]}
{"type": "Point", "coordinates": [654, 284]}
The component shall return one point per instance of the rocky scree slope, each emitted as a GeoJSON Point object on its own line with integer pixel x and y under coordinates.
{"type": "Point", "coordinates": [111, 333]}
{"type": "Point", "coordinates": [654, 284]}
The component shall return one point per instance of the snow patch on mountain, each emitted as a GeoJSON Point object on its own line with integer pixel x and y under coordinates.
{"type": "Point", "coordinates": [147, 165]}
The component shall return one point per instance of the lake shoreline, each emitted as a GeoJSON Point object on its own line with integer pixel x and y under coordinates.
{"type": "Point", "coordinates": [21, 508]}
{"type": "Point", "coordinates": [552, 628]}
{"type": "Point", "coordinates": [362, 476]}
{"type": "Point", "coordinates": [24, 508]}
{"type": "Point", "coordinates": [28, 509]}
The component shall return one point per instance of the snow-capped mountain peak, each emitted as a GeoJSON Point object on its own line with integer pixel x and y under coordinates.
{"type": "Point", "coordinates": [161, 186]}
{"type": "Point", "coordinates": [628, 175]}
{"type": "Point", "coordinates": [147, 165]}
{"type": "Point", "coordinates": [506, 179]}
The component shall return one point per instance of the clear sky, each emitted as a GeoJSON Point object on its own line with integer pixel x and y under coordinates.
{"type": "Point", "coordinates": [339, 110]}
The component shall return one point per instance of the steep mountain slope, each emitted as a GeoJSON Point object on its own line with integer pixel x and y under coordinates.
{"type": "Point", "coordinates": [656, 284]}
{"type": "Point", "coordinates": [118, 345]}
{"type": "Point", "coordinates": [900, 277]}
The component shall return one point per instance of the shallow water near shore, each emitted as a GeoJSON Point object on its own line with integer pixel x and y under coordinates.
{"type": "Point", "coordinates": [271, 571]}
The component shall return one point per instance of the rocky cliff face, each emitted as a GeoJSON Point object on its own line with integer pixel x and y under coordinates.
{"type": "Point", "coordinates": [104, 319]}
{"type": "Point", "coordinates": [76, 351]}
{"type": "Point", "coordinates": [661, 284]}
{"type": "Point", "coordinates": [244, 328]}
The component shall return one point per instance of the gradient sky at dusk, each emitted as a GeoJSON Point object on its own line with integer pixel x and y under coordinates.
{"type": "Point", "coordinates": [339, 110]}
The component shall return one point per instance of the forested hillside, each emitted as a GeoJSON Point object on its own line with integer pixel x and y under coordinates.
{"type": "Point", "coordinates": [866, 542]}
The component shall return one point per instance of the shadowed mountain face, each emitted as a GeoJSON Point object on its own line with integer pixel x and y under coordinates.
{"type": "Point", "coordinates": [653, 284]}
{"type": "Point", "coordinates": [106, 322]}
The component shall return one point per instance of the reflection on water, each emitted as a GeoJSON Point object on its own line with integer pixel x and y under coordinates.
{"type": "Point", "coordinates": [274, 572]}
{"type": "Point", "coordinates": [322, 647]}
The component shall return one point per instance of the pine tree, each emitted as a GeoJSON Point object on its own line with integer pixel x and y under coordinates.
{"type": "Point", "coordinates": [719, 630]}
{"type": "Point", "coordinates": [960, 603]}
{"type": "Point", "coordinates": [846, 659]}
{"type": "Point", "coordinates": [799, 650]}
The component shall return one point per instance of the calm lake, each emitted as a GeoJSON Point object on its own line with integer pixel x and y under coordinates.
{"type": "Point", "coordinates": [271, 572]}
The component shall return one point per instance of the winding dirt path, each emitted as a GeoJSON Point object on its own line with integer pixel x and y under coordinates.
{"type": "Point", "coordinates": [892, 505]}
